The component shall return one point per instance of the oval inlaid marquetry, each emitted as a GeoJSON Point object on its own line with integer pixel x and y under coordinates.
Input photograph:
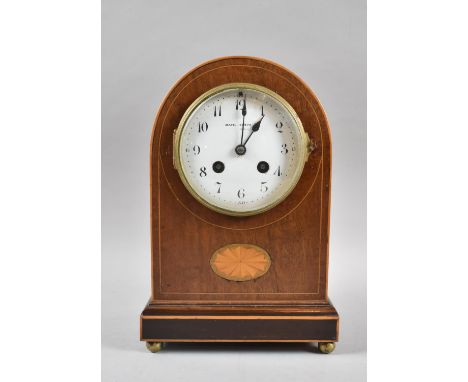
{"type": "Point", "coordinates": [240, 262]}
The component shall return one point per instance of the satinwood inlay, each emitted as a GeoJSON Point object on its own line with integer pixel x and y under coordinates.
{"type": "Point", "coordinates": [240, 262]}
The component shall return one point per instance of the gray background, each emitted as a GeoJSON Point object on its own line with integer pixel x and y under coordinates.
{"type": "Point", "coordinates": [146, 47]}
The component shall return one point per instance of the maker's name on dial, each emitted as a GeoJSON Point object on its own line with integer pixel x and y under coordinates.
{"type": "Point", "coordinates": [237, 124]}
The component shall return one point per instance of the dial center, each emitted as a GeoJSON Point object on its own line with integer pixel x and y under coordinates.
{"type": "Point", "coordinates": [240, 150]}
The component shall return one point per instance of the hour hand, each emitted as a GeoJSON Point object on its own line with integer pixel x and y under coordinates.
{"type": "Point", "coordinates": [255, 127]}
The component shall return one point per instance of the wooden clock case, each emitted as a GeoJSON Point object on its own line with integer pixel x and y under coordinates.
{"type": "Point", "coordinates": [190, 302]}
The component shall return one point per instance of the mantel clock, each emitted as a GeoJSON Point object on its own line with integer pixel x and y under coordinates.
{"type": "Point", "coordinates": [240, 210]}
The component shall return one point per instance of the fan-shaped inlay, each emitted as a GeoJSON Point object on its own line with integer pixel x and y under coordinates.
{"type": "Point", "coordinates": [240, 262]}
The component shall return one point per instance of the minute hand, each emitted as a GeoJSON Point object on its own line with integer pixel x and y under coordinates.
{"type": "Point", "coordinates": [255, 127]}
{"type": "Point", "coordinates": [244, 112]}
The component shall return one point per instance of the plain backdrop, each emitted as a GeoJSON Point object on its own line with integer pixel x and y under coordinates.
{"type": "Point", "coordinates": [146, 47]}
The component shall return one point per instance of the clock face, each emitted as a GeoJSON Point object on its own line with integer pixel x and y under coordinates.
{"type": "Point", "coordinates": [240, 149]}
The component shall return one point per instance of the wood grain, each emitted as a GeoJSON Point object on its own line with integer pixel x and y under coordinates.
{"type": "Point", "coordinates": [272, 324]}
{"type": "Point", "coordinates": [185, 234]}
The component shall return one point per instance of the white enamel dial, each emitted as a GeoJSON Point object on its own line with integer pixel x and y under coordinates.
{"type": "Point", "coordinates": [240, 149]}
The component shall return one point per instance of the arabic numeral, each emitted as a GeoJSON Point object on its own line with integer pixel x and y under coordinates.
{"type": "Point", "coordinates": [203, 171]}
{"type": "Point", "coordinates": [279, 126]}
{"type": "Point", "coordinates": [278, 171]}
{"type": "Point", "coordinates": [241, 193]}
{"type": "Point", "coordinates": [202, 127]}
{"type": "Point", "coordinates": [219, 187]}
{"type": "Point", "coordinates": [263, 187]}
{"type": "Point", "coordinates": [284, 149]}
{"type": "Point", "coordinates": [240, 103]}
{"type": "Point", "coordinates": [196, 150]}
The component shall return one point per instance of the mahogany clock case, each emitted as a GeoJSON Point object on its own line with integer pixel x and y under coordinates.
{"type": "Point", "coordinates": [292, 295]}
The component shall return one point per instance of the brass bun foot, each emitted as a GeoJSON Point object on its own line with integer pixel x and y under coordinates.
{"type": "Point", "coordinates": [154, 347]}
{"type": "Point", "coordinates": [326, 347]}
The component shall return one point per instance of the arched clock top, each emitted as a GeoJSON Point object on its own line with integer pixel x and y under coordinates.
{"type": "Point", "coordinates": [218, 73]}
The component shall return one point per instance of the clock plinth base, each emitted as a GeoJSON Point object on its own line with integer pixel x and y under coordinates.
{"type": "Point", "coordinates": [311, 323]}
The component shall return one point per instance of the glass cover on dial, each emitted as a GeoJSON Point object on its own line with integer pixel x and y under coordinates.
{"type": "Point", "coordinates": [241, 150]}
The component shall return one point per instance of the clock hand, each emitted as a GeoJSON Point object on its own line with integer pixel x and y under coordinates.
{"type": "Point", "coordinates": [255, 127]}
{"type": "Point", "coordinates": [244, 112]}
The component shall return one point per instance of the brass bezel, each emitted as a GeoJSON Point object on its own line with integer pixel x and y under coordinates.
{"type": "Point", "coordinates": [303, 148]}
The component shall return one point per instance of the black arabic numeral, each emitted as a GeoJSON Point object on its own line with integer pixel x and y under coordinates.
{"type": "Point", "coordinates": [278, 171]}
{"type": "Point", "coordinates": [240, 104]}
{"type": "Point", "coordinates": [219, 188]}
{"type": "Point", "coordinates": [284, 149]}
{"type": "Point", "coordinates": [279, 126]}
{"type": "Point", "coordinates": [202, 127]}
{"type": "Point", "coordinates": [263, 187]}
{"type": "Point", "coordinates": [203, 171]}
{"type": "Point", "coordinates": [196, 149]}
{"type": "Point", "coordinates": [241, 193]}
